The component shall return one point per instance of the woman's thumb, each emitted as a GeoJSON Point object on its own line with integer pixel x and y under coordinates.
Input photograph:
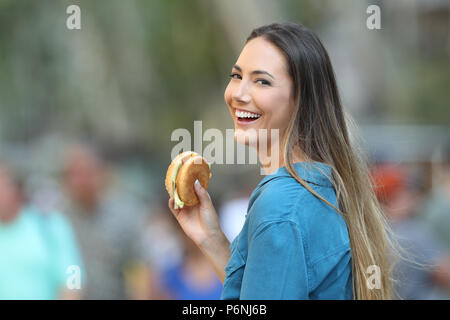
{"type": "Point", "coordinates": [202, 194]}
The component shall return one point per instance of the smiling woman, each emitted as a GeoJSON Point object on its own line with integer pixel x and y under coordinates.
{"type": "Point", "coordinates": [313, 226]}
{"type": "Point", "coordinates": [260, 85]}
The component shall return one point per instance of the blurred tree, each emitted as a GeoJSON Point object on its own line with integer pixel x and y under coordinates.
{"type": "Point", "coordinates": [139, 69]}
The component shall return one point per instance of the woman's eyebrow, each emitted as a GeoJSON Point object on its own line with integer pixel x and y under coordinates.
{"type": "Point", "coordinates": [262, 72]}
{"type": "Point", "coordinates": [255, 71]}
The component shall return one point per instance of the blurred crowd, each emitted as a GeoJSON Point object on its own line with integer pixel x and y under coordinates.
{"type": "Point", "coordinates": [124, 247]}
{"type": "Point", "coordinates": [420, 221]}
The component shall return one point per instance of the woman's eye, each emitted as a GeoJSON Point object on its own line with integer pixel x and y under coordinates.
{"type": "Point", "coordinates": [235, 76]}
{"type": "Point", "coordinates": [263, 82]}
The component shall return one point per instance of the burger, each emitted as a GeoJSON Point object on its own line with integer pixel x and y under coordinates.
{"type": "Point", "coordinates": [181, 175]}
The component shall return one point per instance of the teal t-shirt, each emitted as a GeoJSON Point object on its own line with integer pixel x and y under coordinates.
{"type": "Point", "coordinates": [36, 251]}
{"type": "Point", "coordinates": [292, 245]}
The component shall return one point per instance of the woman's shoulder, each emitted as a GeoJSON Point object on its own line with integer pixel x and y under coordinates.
{"type": "Point", "coordinates": [281, 196]}
{"type": "Point", "coordinates": [281, 200]}
{"type": "Point", "coordinates": [274, 201]}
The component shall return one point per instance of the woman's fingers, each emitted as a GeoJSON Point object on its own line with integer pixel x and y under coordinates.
{"type": "Point", "coordinates": [171, 207]}
{"type": "Point", "coordinates": [202, 194]}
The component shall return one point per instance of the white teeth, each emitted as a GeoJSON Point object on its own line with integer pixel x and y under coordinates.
{"type": "Point", "coordinates": [242, 114]}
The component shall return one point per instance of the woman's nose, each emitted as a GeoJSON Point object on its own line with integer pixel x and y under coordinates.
{"type": "Point", "coordinates": [241, 94]}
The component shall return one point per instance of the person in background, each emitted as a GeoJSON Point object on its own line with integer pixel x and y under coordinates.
{"type": "Point", "coordinates": [232, 216]}
{"type": "Point", "coordinates": [163, 248]}
{"type": "Point", "coordinates": [425, 269]}
{"type": "Point", "coordinates": [38, 249]}
{"type": "Point", "coordinates": [436, 208]}
{"type": "Point", "coordinates": [234, 209]}
{"type": "Point", "coordinates": [435, 211]}
{"type": "Point", "coordinates": [192, 277]}
{"type": "Point", "coordinates": [107, 225]}
{"type": "Point", "coordinates": [178, 269]}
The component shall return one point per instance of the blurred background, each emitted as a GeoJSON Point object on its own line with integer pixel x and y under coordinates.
{"type": "Point", "coordinates": [86, 118]}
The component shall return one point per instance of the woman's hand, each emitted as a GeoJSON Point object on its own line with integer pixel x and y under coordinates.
{"type": "Point", "coordinates": [199, 222]}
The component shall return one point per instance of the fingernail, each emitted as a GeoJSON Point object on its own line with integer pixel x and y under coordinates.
{"type": "Point", "coordinates": [197, 183]}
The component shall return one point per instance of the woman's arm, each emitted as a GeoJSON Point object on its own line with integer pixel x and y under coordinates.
{"type": "Point", "coordinates": [217, 251]}
{"type": "Point", "coordinates": [201, 224]}
{"type": "Point", "coordinates": [276, 264]}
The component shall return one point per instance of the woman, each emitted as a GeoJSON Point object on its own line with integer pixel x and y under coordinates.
{"type": "Point", "coordinates": [313, 227]}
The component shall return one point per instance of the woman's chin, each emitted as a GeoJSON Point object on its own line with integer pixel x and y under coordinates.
{"type": "Point", "coordinates": [245, 138]}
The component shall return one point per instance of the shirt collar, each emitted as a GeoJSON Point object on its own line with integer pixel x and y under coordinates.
{"type": "Point", "coordinates": [313, 172]}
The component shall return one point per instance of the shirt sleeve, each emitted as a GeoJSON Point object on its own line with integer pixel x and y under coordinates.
{"type": "Point", "coordinates": [66, 256]}
{"type": "Point", "coordinates": [276, 264]}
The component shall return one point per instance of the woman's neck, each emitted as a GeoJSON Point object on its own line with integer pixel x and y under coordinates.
{"type": "Point", "coordinates": [273, 158]}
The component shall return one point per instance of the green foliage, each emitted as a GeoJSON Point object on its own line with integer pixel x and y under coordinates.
{"type": "Point", "coordinates": [139, 69]}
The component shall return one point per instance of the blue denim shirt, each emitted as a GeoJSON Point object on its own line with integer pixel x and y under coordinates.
{"type": "Point", "coordinates": [292, 245]}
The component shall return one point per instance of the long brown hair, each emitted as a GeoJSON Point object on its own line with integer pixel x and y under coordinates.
{"type": "Point", "coordinates": [319, 128]}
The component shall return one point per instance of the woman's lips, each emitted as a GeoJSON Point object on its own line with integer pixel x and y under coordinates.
{"type": "Point", "coordinates": [246, 121]}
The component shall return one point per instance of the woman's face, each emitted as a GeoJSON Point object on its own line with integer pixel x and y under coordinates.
{"type": "Point", "coordinates": [260, 84]}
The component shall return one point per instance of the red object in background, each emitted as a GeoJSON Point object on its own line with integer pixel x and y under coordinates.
{"type": "Point", "coordinates": [388, 181]}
